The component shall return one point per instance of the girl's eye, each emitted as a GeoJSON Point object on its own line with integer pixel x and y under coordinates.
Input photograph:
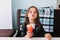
{"type": "Point", "coordinates": [30, 12]}
{"type": "Point", "coordinates": [35, 12]}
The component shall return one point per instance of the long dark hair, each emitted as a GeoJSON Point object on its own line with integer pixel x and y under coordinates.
{"type": "Point", "coordinates": [37, 22]}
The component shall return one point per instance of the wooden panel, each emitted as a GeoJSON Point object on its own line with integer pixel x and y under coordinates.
{"type": "Point", "coordinates": [18, 18]}
{"type": "Point", "coordinates": [6, 32]}
{"type": "Point", "coordinates": [57, 22]}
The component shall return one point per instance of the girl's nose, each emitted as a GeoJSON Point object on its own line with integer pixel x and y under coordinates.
{"type": "Point", "coordinates": [32, 13]}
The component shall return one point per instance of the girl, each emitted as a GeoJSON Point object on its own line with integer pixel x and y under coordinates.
{"type": "Point", "coordinates": [32, 17]}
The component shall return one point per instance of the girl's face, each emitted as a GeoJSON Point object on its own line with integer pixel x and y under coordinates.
{"type": "Point", "coordinates": [32, 13]}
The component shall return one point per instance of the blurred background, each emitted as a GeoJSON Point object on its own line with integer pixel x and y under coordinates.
{"type": "Point", "coordinates": [25, 4]}
{"type": "Point", "coordinates": [9, 10]}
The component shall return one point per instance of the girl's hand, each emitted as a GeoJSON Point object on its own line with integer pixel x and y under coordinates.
{"type": "Point", "coordinates": [48, 36]}
{"type": "Point", "coordinates": [29, 34]}
{"type": "Point", "coordinates": [29, 31]}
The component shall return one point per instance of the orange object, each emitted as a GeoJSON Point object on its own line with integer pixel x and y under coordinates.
{"type": "Point", "coordinates": [30, 29]}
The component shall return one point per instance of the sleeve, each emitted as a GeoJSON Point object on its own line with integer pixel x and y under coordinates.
{"type": "Point", "coordinates": [42, 32]}
{"type": "Point", "coordinates": [23, 30]}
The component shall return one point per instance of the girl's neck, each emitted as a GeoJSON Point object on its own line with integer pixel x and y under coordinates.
{"type": "Point", "coordinates": [31, 21]}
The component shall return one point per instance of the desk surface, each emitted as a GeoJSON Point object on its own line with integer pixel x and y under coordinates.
{"type": "Point", "coordinates": [19, 38]}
